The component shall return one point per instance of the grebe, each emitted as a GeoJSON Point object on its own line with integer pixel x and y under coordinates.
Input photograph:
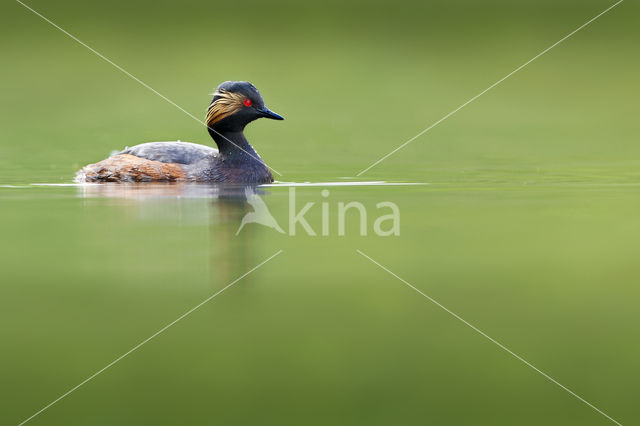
{"type": "Point", "coordinates": [234, 105]}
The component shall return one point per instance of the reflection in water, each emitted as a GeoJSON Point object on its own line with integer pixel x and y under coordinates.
{"type": "Point", "coordinates": [220, 208]}
{"type": "Point", "coordinates": [146, 191]}
{"type": "Point", "coordinates": [234, 249]}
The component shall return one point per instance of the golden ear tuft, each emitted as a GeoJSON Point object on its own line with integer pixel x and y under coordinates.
{"type": "Point", "coordinates": [228, 103]}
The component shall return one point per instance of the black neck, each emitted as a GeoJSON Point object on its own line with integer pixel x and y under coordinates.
{"type": "Point", "coordinates": [234, 146]}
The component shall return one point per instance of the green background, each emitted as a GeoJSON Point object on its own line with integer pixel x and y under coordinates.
{"type": "Point", "coordinates": [528, 226]}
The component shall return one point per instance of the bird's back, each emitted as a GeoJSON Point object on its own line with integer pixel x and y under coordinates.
{"type": "Point", "coordinates": [171, 152]}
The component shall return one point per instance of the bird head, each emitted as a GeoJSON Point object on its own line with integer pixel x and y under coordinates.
{"type": "Point", "coordinates": [236, 104]}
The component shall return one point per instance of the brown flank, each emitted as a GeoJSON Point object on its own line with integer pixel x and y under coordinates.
{"type": "Point", "coordinates": [129, 168]}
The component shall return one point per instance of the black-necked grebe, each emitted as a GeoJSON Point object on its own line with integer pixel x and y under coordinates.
{"type": "Point", "coordinates": [234, 105]}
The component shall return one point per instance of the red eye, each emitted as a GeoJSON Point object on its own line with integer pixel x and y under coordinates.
{"type": "Point", "coordinates": [247, 102]}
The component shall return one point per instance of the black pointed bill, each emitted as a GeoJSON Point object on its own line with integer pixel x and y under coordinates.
{"type": "Point", "coordinates": [267, 113]}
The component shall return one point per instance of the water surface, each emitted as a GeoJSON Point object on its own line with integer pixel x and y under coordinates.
{"type": "Point", "coordinates": [522, 217]}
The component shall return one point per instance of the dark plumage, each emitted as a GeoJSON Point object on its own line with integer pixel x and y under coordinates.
{"type": "Point", "coordinates": [234, 105]}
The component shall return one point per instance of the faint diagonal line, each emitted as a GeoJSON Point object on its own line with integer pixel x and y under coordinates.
{"type": "Point", "coordinates": [140, 81]}
{"type": "Point", "coordinates": [491, 339]}
{"type": "Point", "coordinates": [163, 329]}
{"type": "Point", "coordinates": [489, 88]}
